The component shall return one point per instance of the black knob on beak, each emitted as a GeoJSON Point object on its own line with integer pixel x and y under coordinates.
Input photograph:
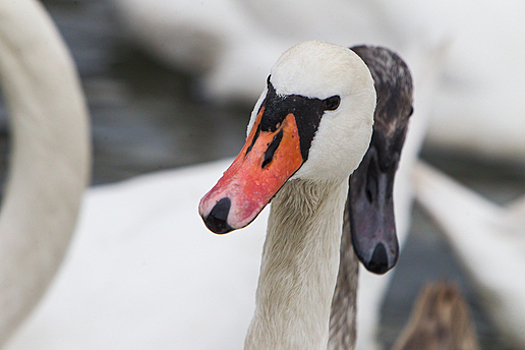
{"type": "Point", "coordinates": [216, 221]}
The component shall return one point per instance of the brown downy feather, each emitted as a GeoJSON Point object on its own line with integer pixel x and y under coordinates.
{"type": "Point", "coordinates": [440, 320]}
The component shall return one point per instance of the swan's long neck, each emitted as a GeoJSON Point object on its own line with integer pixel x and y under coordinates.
{"type": "Point", "coordinates": [49, 165]}
{"type": "Point", "coordinates": [343, 312]}
{"type": "Point", "coordinates": [299, 268]}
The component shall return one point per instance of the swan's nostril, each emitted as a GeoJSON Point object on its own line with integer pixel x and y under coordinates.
{"type": "Point", "coordinates": [216, 221]}
{"type": "Point", "coordinates": [379, 261]}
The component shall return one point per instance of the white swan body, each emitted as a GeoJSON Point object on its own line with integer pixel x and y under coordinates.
{"type": "Point", "coordinates": [49, 167]}
{"type": "Point", "coordinates": [489, 240]}
{"type": "Point", "coordinates": [231, 43]}
{"type": "Point", "coordinates": [215, 39]}
{"type": "Point", "coordinates": [475, 83]}
{"type": "Point", "coordinates": [143, 272]}
{"type": "Point", "coordinates": [241, 38]}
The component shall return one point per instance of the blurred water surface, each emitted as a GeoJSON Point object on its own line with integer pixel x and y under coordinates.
{"type": "Point", "coordinates": [146, 117]}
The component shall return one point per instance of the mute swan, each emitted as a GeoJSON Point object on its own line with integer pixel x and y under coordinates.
{"type": "Point", "coordinates": [489, 240]}
{"type": "Point", "coordinates": [369, 213]}
{"type": "Point", "coordinates": [50, 158]}
{"type": "Point", "coordinates": [370, 203]}
{"type": "Point", "coordinates": [372, 286]}
{"type": "Point", "coordinates": [308, 132]}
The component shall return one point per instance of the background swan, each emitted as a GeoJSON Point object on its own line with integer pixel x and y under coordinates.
{"type": "Point", "coordinates": [231, 43]}
{"type": "Point", "coordinates": [143, 273]}
{"type": "Point", "coordinates": [49, 167]}
{"type": "Point", "coordinates": [248, 35]}
{"type": "Point", "coordinates": [489, 240]}
{"type": "Point", "coordinates": [424, 75]}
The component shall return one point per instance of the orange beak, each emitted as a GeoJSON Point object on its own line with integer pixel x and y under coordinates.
{"type": "Point", "coordinates": [265, 163]}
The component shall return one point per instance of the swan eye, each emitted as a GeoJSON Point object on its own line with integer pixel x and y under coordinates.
{"type": "Point", "coordinates": [331, 103]}
{"type": "Point", "coordinates": [411, 111]}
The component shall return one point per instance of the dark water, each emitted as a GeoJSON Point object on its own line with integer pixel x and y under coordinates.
{"type": "Point", "coordinates": [146, 117]}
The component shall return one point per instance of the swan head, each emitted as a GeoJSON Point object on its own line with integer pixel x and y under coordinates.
{"type": "Point", "coordinates": [313, 121]}
{"type": "Point", "coordinates": [370, 202]}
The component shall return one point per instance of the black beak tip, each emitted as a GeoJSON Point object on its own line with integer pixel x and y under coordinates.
{"type": "Point", "coordinates": [378, 263]}
{"type": "Point", "coordinates": [216, 221]}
